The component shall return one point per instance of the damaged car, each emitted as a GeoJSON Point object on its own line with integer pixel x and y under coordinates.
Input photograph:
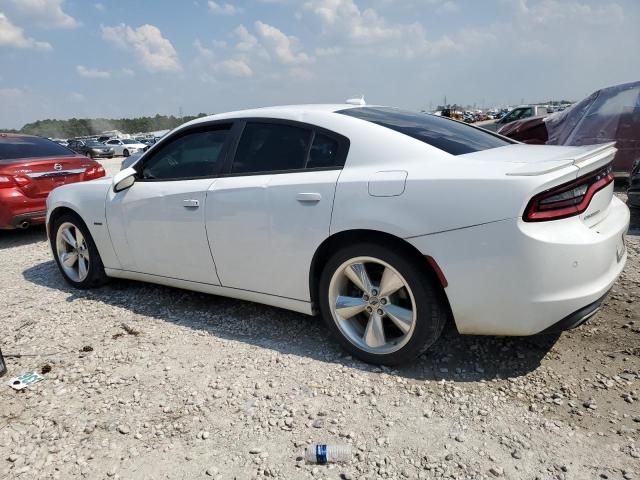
{"type": "Point", "coordinates": [608, 115]}
{"type": "Point", "coordinates": [387, 223]}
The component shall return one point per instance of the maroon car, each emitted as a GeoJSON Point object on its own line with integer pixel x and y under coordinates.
{"type": "Point", "coordinates": [30, 167]}
{"type": "Point", "coordinates": [608, 115]}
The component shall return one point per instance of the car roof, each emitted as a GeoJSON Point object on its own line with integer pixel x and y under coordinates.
{"type": "Point", "coordinates": [283, 111]}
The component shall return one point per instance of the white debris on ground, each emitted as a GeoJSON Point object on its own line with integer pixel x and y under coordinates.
{"type": "Point", "coordinates": [153, 382]}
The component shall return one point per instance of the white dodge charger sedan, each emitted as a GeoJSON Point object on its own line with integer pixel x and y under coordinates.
{"type": "Point", "coordinates": [386, 222]}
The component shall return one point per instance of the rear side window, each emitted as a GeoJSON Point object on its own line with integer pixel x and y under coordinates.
{"type": "Point", "coordinates": [269, 147]}
{"type": "Point", "coordinates": [193, 155]}
{"type": "Point", "coordinates": [448, 135]}
{"type": "Point", "coordinates": [16, 147]}
{"type": "Point", "coordinates": [324, 152]}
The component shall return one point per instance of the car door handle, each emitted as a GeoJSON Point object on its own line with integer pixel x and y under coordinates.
{"type": "Point", "coordinates": [190, 203]}
{"type": "Point", "coordinates": [308, 197]}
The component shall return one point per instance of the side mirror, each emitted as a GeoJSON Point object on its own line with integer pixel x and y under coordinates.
{"type": "Point", "coordinates": [124, 179]}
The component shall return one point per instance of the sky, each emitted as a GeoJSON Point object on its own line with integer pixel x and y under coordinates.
{"type": "Point", "coordinates": [115, 58]}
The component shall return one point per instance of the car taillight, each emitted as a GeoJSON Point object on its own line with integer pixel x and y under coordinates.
{"type": "Point", "coordinates": [567, 200]}
{"type": "Point", "coordinates": [94, 172]}
{"type": "Point", "coordinates": [6, 182]}
{"type": "Point", "coordinates": [9, 181]}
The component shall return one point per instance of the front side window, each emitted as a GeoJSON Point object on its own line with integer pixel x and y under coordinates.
{"type": "Point", "coordinates": [453, 137]}
{"type": "Point", "coordinates": [269, 147]}
{"type": "Point", "coordinates": [192, 155]}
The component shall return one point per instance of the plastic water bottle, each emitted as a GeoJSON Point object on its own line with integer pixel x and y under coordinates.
{"type": "Point", "coordinates": [321, 453]}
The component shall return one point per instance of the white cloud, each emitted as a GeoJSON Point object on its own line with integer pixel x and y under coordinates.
{"type": "Point", "coordinates": [13, 36]}
{"type": "Point", "coordinates": [346, 24]}
{"type": "Point", "coordinates": [91, 72]}
{"type": "Point", "coordinates": [328, 52]}
{"type": "Point", "coordinates": [127, 72]}
{"type": "Point", "coordinates": [283, 47]}
{"type": "Point", "coordinates": [77, 97]}
{"type": "Point", "coordinates": [154, 52]}
{"type": "Point", "coordinates": [223, 8]}
{"type": "Point", "coordinates": [202, 51]}
{"type": "Point", "coordinates": [99, 7]}
{"type": "Point", "coordinates": [235, 68]}
{"type": "Point", "coordinates": [45, 13]}
{"type": "Point", "coordinates": [246, 41]}
{"type": "Point", "coordinates": [448, 7]}
{"type": "Point", "coordinates": [11, 92]}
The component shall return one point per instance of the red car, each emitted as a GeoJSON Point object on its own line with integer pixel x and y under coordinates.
{"type": "Point", "coordinates": [608, 115]}
{"type": "Point", "coordinates": [30, 167]}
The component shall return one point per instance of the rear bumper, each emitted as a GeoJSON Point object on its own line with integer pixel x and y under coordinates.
{"type": "Point", "coordinates": [27, 219]}
{"type": "Point", "coordinates": [577, 318]}
{"type": "Point", "coordinates": [16, 208]}
{"type": "Point", "coordinates": [516, 278]}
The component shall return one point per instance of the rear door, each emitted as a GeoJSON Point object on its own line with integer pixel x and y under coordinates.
{"type": "Point", "coordinates": [272, 209]}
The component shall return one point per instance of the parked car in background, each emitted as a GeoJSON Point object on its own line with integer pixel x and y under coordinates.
{"type": "Point", "coordinates": [91, 148]}
{"type": "Point", "coordinates": [30, 167]}
{"type": "Point", "coordinates": [518, 113]}
{"type": "Point", "coordinates": [608, 115]}
{"type": "Point", "coordinates": [126, 146]}
{"type": "Point", "coordinates": [350, 212]}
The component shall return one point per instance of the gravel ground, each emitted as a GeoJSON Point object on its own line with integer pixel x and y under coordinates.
{"type": "Point", "coordinates": [153, 382]}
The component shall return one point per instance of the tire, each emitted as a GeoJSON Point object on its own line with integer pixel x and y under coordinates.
{"type": "Point", "coordinates": [125, 152]}
{"type": "Point", "coordinates": [419, 294]}
{"type": "Point", "coordinates": [93, 274]}
{"type": "Point", "coordinates": [90, 155]}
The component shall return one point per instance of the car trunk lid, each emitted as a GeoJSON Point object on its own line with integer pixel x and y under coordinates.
{"type": "Point", "coordinates": [37, 177]}
{"type": "Point", "coordinates": [553, 164]}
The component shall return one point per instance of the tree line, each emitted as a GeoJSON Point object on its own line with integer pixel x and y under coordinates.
{"type": "Point", "coordinates": [80, 127]}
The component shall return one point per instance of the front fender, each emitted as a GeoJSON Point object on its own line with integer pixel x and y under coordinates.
{"type": "Point", "coordinates": [87, 200]}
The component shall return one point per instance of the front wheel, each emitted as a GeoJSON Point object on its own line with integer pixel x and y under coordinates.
{"type": "Point", "coordinates": [382, 308]}
{"type": "Point", "coordinates": [126, 153]}
{"type": "Point", "coordinates": [75, 253]}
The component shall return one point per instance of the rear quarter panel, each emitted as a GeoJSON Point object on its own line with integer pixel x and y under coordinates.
{"type": "Point", "coordinates": [442, 192]}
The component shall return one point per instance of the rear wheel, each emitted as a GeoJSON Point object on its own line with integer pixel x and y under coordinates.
{"type": "Point", "coordinates": [76, 253]}
{"type": "Point", "coordinates": [90, 155]}
{"type": "Point", "coordinates": [126, 152]}
{"type": "Point", "coordinates": [380, 305]}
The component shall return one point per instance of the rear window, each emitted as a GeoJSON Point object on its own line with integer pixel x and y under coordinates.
{"type": "Point", "coordinates": [13, 148]}
{"type": "Point", "coordinates": [448, 135]}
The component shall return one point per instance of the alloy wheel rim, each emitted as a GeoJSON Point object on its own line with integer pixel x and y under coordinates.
{"type": "Point", "coordinates": [372, 305]}
{"type": "Point", "coordinates": [73, 253]}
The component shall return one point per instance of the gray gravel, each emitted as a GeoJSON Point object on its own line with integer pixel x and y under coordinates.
{"type": "Point", "coordinates": [154, 382]}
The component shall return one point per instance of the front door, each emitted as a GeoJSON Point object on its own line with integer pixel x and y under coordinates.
{"type": "Point", "coordinates": [158, 225]}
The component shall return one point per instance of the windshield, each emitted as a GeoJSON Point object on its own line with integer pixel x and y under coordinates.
{"type": "Point", "coordinates": [16, 147]}
{"type": "Point", "coordinates": [453, 137]}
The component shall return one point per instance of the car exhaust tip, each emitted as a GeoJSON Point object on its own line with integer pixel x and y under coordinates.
{"type": "Point", "coordinates": [24, 225]}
